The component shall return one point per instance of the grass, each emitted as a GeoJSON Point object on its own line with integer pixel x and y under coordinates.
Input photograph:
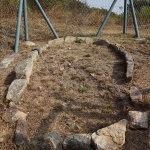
{"type": "Point", "coordinates": [82, 89]}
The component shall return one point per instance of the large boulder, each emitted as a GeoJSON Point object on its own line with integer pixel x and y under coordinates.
{"type": "Point", "coordinates": [111, 137]}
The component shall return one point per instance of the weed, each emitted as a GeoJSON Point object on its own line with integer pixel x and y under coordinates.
{"type": "Point", "coordinates": [79, 41]}
{"type": "Point", "coordinates": [82, 89]}
{"type": "Point", "coordinates": [87, 55]}
{"type": "Point", "coordinates": [70, 59]}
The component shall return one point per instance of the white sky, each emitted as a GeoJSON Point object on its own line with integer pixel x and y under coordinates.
{"type": "Point", "coordinates": [106, 4]}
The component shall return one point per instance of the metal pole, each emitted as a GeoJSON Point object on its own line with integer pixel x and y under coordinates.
{"type": "Point", "coordinates": [125, 17]}
{"type": "Point", "coordinates": [18, 26]}
{"type": "Point", "coordinates": [25, 21]}
{"type": "Point", "coordinates": [46, 18]}
{"type": "Point", "coordinates": [106, 18]}
{"type": "Point", "coordinates": [134, 19]}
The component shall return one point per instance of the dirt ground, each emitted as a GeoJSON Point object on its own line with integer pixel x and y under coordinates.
{"type": "Point", "coordinates": [76, 88]}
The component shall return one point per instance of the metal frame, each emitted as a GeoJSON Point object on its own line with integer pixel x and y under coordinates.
{"type": "Point", "coordinates": [21, 4]}
{"type": "Point", "coordinates": [125, 18]}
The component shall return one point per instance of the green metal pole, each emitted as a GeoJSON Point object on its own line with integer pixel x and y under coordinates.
{"type": "Point", "coordinates": [46, 18]}
{"type": "Point", "coordinates": [18, 26]}
{"type": "Point", "coordinates": [125, 17]}
{"type": "Point", "coordinates": [134, 19]}
{"type": "Point", "coordinates": [106, 18]}
{"type": "Point", "coordinates": [25, 21]}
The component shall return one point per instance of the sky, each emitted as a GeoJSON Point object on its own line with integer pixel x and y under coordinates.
{"type": "Point", "coordinates": [118, 8]}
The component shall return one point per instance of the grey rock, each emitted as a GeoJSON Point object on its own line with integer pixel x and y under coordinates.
{"type": "Point", "coordinates": [24, 68]}
{"type": "Point", "coordinates": [138, 120]}
{"type": "Point", "coordinates": [123, 53]}
{"type": "Point", "coordinates": [129, 58]}
{"type": "Point", "coordinates": [103, 42]}
{"type": "Point", "coordinates": [13, 114]}
{"type": "Point", "coordinates": [56, 42]}
{"type": "Point", "coordinates": [21, 133]}
{"type": "Point", "coordinates": [54, 141]}
{"type": "Point", "coordinates": [111, 137]}
{"type": "Point", "coordinates": [7, 61]}
{"type": "Point", "coordinates": [135, 95]}
{"type": "Point", "coordinates": [41, 48]}
{"type": "Point", "coordinates": [129, 72]}
{"type": "Point", "coordinates": [86, 40]}
{"type": "Point", "coordinates": [29, 43]}
{"type": "Point", "coordinates": [33, 55]}
{"type": "Point", "coordinates": [70, 39]}
{"type": "Point", "coordinates": [77, 142]}
{"type": "Point", "coordinates": [114, 47]}
{"type": "Point", "coordinates": [16, 90]}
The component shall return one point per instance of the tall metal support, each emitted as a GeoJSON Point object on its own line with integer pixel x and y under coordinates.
{"type": "Point", "coordinates": [106, 18]}
{"type": "Point", "coordinates": [125, 17]}
{"type": "Point", "coordinates": [18, 26]}
{"type": "Point", "coordinates": [25, 21]}
{"type": "Point", "coordinates": [21, 4]}
{"type": "Point", "coordinates": [46, 19]}
{"type": "Point", "coordinates": [134, 19]}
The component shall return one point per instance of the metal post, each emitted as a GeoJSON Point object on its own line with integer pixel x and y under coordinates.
{"type": "Point", "coordinates": [46, 18]}
{"type": "Point", "coordinates": [125, 17]}
{"type": "Point", "coordinates": [134, 19]}
{"type": "Point", "coordinates": [106, 18]}
{"type": "Point", "coordinates": [25, 21]}
{"type": "Point", "coordinates": [18, 26]}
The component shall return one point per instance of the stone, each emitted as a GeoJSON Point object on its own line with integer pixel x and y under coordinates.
{"type": "Point", "coordinates": [40, 49]}
{"type": "Point", "coordinates": [86, 40]}
{"type": "Point", "coordinates": [129, 72]}
{"type": "Point", "coordinates": [103, 42]}
{"type": "Point", "coordinates": [33, 55]}
{"type": "Point", "coordinates": [114, 47]}
{"type": "Point", "coordinates": [7, 61]}
{"type": "Point", "coordinates": [123, 53]}
{"type": "Point", "coordinates": [128, 58]}
{"type": "Point", "coordinates": [111, 137]}
{"type": "Point", "coordinates": [21, 133]}
{"type": "Point", "coordinates": [54, 141]}
{"type": "Point", "coordinates": [16, 90]}
{"type": "Point", "coordinates": [138, 120]}
{"type": "Point", "coordinates": [29, 43]}
{"type": "Point", "coordinates": [13, 114]}
{"type": "Point", "coordinates": [77, 142]}
{"type": "Point", "coordinates": [70, 39]}
{"type": "Point", "coordinates": [135, 95]}
{"type": "Point", "coordinates": [24, 68]}
{"type": "Point", "coordinates": [56, 42]}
